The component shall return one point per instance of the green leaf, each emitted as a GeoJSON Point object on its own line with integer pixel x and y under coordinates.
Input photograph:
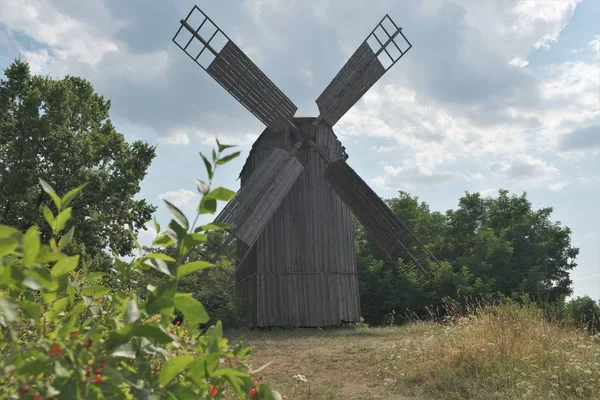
{"type": "Point", "coordinates": [226, 159]}
{"type": "Point", "coordinates": [174, 367]}
{"type": "Point", "coordinates": [163, 241]}
{"type": "Point", "coordinates": [67, 198]}
{"type": "Point", "coordinates": [214, 155]}
{"type": "Point", "coordinates": [124, 351]}
{"type": "Point", "coordinates": [157, 305]}
{"type": "Point", "coordinates": [156, 225]}
{"type": "Point", "coordinates": [208, 166]}
{"type": "Point", "coordinates": [94, 277]}
{"type": "Point", "coordinates": [158, 265]}
{"type": "Point", "coordinates": [178, 214]}
{"type": "Point", "coordinates": [152, 332]}
{"type": "Point", "coordinates": [221, 193]}
{"type": "Point", "coordinates": [191, 240]}
{"type": "Point", "coordinates": [66, 238]}
{"type": "Point", "coordinates": [64, 266]}
{"type": "Point", "coordinates": [132, 313]}
{"type": "Point", "coordinates": [61, 219]}
{"type": "Point", "coordinates": [48, 215]}
{"type": "Point", "coordinates": [10, 232]}
{"type": "Point", "coordinates": [31, 245]}
{"type": "Point", "coordinates": [8, 308]}
{"type": "Point", "coordinates": [192, 309]}
{"type": "Point", "coordinates": [203, 366]}
{"type": "Point", "coordinates": [202, 187]}
{"type": "Point", "coordinates": [96, 291]}
{"type": "Point", "coordinates": [7, 246]}
{"type": "Point", "coordinates": [159, 256]}
{"type": "Point", "coordinates": [57, 307]}
{"type": "Point", "coordinates": [224, 146]}
{"type": "Point", "coordinates": [214, 226]}
{"type": "Point", "coordinates": [50, 191]}
{"type": "Point", "coordinates": [207, 206]}
{"type": "Point", "coordinates": [192, 267]}
{"type": "Point", "coordinates": [60, 371]}
{"type": "Point", "coordinates": [43, 277]}
{"type": "Point", "coordinates": [34, 310]}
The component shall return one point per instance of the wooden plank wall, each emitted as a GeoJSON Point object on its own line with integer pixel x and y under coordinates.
{"type": "Point", "coordinates": [302, 270]}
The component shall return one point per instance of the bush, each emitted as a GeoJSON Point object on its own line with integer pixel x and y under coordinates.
{"type": "Point", "coordinates": [585, 313]}
{"type": "Point", "coordinates": [65, 336]}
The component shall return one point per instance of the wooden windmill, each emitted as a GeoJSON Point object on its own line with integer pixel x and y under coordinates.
{"type": "Point", "coordinates": [292, 214]}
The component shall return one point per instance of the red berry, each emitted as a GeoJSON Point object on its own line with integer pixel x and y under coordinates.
{"type": "Point", "coordinates": [252, 392]}
{"type": "Point", "coordinates": [178, 323]}
{"type": "Point", "coordinates": [103, 362]}
{"type": "Point", "coordinates": [98, 371]}
{"type": "Point", "coordinates": [89, 342]}
{"type": "Point", "coordinates": [55, 350]}
{"type": "Point", "coordinates": [75, 332]}
{"type": "Point", "coordinates": [24, 389]}
{"type": "Point", "coordinates": [98, 379]}
{"type": "Point", "coordinates": [37, 397]}
{"type": "Point", "coordinates": [214, 391]}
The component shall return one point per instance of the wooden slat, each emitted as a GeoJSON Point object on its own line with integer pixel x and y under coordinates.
{"type": "Point", "coordinates": [355, 78]}
{"type": "Point", "coordinates": [370, 210]}
{"type": "Point", "coordinates": [250, 86]}
{"type": "Point", "coordinates": [257, 201]}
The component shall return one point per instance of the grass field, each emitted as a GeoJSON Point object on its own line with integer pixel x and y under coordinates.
{"type": "Point", "coordinates": [505, 352]}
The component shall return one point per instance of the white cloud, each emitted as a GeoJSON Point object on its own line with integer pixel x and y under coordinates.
{"type": "Point", "coordinates": [66, 37]}
{"type": "Point", "coordinates": [528, 171]}
{"type": "Point", "coordinates": [179, 197]}
{"type": "Point", "coordinates": [518, 62]}
{"type": "Point", "coordinates": [555, 187]}
{"type": "Point", "coordinates": [178, 138]}
{"type": "Point", "coordinates": [542, 20]}
{"type": "Point", "coordinates": [595, 46]}
{"type": "Point", "coordinates": [409, 174]}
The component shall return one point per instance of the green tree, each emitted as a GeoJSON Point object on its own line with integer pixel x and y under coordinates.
{"type": "Point", "coordinates": [520, 249]}
{"type": "Point", "coordinates": [488, 247]}
{"type": "Point", "coordinates": [60, 130]}
{"type": "Point", "coordinates": [585, 312]}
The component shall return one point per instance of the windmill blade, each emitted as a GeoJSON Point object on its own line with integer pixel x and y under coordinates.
{"type": "Point", "coordinates": [222, 59]}
{"type": "Point", "coordinates": [373, 58]}
{"type": "Point", "coordinates": [372, 212]}
{"type": "Point", "coordinates": [256, 202]}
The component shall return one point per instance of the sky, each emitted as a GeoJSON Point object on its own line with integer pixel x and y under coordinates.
{"type": "Point", "coordinates": [493, 94]}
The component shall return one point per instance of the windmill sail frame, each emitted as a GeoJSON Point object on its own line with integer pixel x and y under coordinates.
{"type": "Point", "coordinates": [362, 71]}
{"type": "Point", "coordinates": [237, 74]}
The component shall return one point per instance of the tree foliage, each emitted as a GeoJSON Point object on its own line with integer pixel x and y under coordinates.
{"type": "Point", "coordinates": [489, 247]}
{"type": "Point", "coordinates": [60, 130]}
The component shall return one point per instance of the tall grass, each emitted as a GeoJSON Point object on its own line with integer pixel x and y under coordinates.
{"type": "Point", "coordinates": [503, 351]}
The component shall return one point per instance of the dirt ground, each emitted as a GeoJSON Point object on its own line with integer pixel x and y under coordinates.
{"type": "Point", "coordinates": [337, 364]}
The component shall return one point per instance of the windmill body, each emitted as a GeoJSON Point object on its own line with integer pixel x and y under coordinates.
{"type": "Point", "coordinates": [301, 271]}
{"type": "Point", "coordinates": [292, 215]}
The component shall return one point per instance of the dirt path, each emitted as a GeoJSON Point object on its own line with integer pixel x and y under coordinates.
{"type": "Point", "coordinates": [336, 364]}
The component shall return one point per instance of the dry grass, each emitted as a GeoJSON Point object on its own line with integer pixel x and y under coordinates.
{"type": "Point", "coordinates": [503, 352]}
